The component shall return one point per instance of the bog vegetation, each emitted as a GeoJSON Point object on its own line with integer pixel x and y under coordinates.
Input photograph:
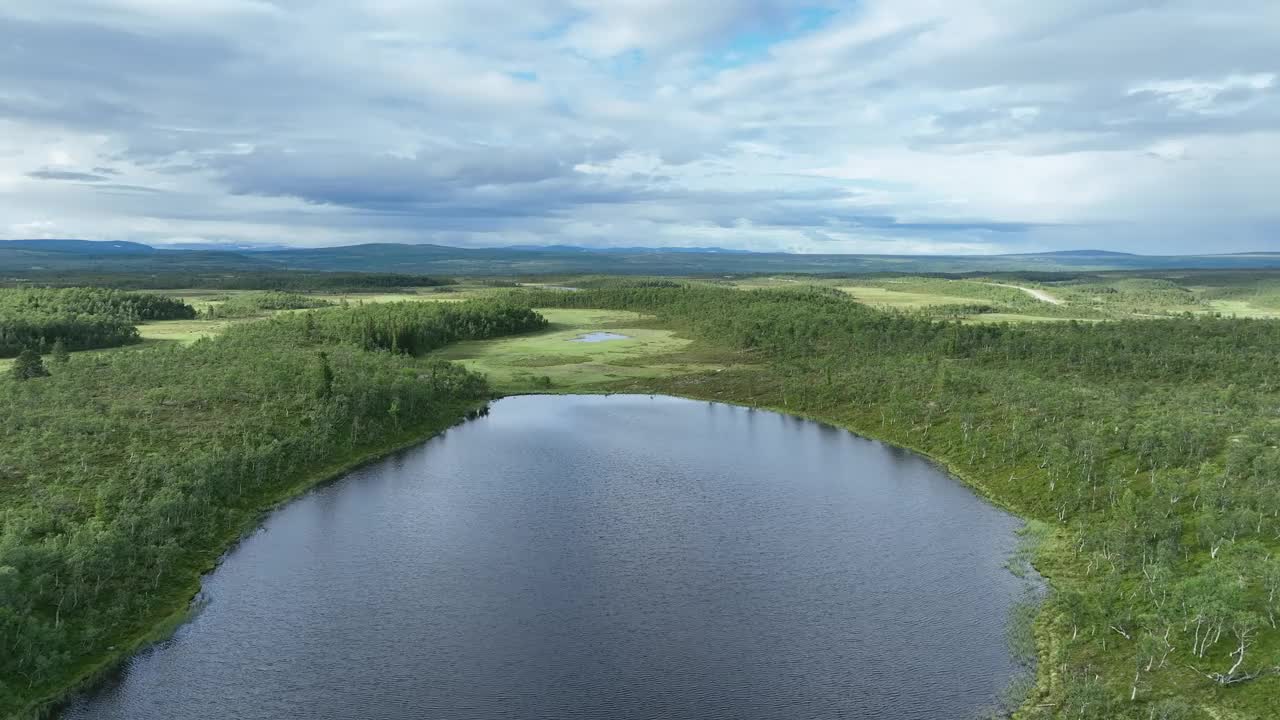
{"type": "Point", "coordinates": [123, 475]}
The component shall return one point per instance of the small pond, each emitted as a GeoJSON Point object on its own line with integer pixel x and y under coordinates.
{"type": "Point", "coordinates": [594, 337]}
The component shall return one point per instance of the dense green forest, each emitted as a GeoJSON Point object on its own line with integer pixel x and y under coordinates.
{"type": "Point", "coordinates": [124, 475]}
{"type": "Point", "coordinates": [414, 327]}
{"type": "Point", "coordinates": [82, 318]}
{"type": "Point", "coordinates": [1147, 448]}
{"type": "Point", "coordinates": [137, 307]}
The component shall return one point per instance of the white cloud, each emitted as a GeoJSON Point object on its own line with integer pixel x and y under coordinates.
{"type": "Point", "coordinates": [1203, 96]}
{"type": "Point", "coordinates": [886, 125]}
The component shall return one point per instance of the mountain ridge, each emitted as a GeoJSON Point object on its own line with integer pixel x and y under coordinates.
{"type": "Point", "coordinates": [112, 246]}
{"type": "Point", "coordinates": [27, 257]}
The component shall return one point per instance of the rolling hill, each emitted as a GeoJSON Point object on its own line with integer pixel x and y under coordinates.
{"type": "Point", "coordinates": [20, 258]}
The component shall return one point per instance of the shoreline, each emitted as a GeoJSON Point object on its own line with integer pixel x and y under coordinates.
{"type": "Point", "coordinates": [1050, 541]}
{"type": "Point", "coordinates": [166, 622]}
{"type": "Point", "coordinates": [1050, 538]}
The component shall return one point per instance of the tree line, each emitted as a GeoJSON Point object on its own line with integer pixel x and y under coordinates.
{"type": "Point", "coordinates": [413, 328]}
{"type": "Point", "coordinates": [252, 304]}
{"type": "Point", "coordinates": [80, 318]}
{"type": "Point", "coordinates": [105, 302]}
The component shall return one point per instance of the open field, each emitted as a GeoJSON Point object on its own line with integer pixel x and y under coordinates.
{"type": "Point", "coordinates": [553, 361]}
{"type": "Point", "coordinates": [1103, 296]}
{"type": "Point", "coordinates": [181, 331]}
{"type": "Point", "coordinates": [1002, 317]}
{"type": "Point", "coordinates": [1244, 309]}
{"type": "Point", "coordinates": [968, 300]}
{"type": "Point", "coordinates": [889, 298]}
{"type": "Point", "coordinates": [201, 298]}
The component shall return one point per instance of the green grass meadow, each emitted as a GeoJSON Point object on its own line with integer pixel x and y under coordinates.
{"type": "Point", "coordinates": [553, 361]}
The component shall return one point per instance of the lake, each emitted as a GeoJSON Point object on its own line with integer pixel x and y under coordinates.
{"type": "Point", "coordinates": [602, 557]}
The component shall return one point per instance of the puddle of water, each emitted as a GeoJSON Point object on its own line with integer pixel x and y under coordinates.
{"type": "Point", "coordinates": [600, 337]}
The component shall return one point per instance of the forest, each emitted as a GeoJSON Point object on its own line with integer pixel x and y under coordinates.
{"type": "Point", "coordinates": [81, 318]}
{"type": "Point", "coordinates": [1146, 450]}
{"type": "Point", "coordinates": [124, 475]}
{"type": "Point", "coordinates": [252, 304]}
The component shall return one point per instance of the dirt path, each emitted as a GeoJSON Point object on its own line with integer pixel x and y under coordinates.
{"type": "Point", "coordinates": [1040, 295]}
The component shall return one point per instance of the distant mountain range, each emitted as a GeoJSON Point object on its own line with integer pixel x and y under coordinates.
{"type": "Point", "coordinates": [229, 247]}
{"type": "Point", "coordinates": [19, 258]}
{"type": "Point", "coordinates": [1078, 253]}
{"type": "Point", "coordinates": [85, 247]}
{"type": "Point", "coordinates": [630, 250]}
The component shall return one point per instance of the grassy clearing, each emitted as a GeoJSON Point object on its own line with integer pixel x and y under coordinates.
{"type": "Point", "coordinates": [1244, 309]}
{"type": "Point", "coordinates": [159, 332]}
{"type": "Point", "coordinates": [934, 296]}
{"type": "Point", "coordinates": [202, 298]}
{"type": "Point", "coordinates": [1019, 318]}
{"type": "Point", "coordinates": [182, 331]}
{"type": "Point", "coordinates": [1098, 297]}
{"type": "Point", "coordinates": [762, 283]}
{"type": "Point", "coordinates": [197, 297]}
{"type": "Point", "coordinates": [151, 337]}
{"type": "Point", "coordinates": [551, 361]}
{"type": "Point", "coordinates": [451, 293]}
{"type": "Point", "coordinates": [884, 297]}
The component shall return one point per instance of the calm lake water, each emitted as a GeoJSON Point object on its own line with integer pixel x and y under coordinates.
{"type": "Point", "coordinates": [603, 557]}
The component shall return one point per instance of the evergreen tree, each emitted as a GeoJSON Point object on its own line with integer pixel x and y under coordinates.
{"type": "Point", "coordinates": [28, 365]}
{"type": "Point", "coordinates": [325, 389]}
{"type": "Point", "coordinates": [59, 352]}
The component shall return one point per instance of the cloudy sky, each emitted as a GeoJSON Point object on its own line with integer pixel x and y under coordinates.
{"type": "Point", "coordinates": [904, 126]}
